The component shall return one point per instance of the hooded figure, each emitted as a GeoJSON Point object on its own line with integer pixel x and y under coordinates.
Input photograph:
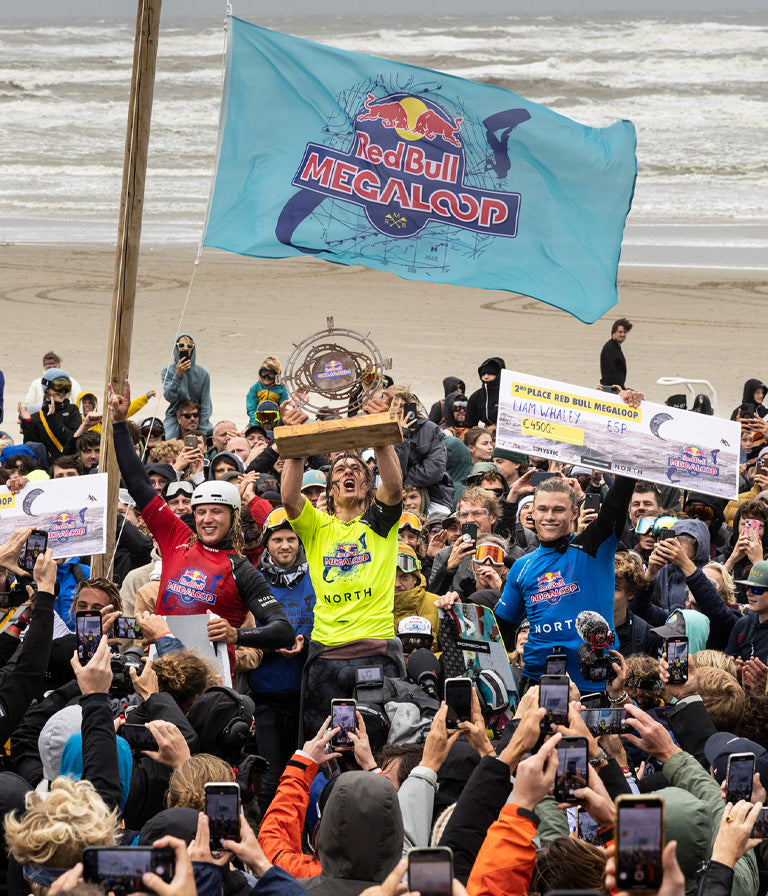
{"type": "Point", "coordinates": [451, 384]}
{"type": "Point", "coordinates": [748, 397]}
{"type": "Point", "coordinates": [454, 401]}
{"type": "Point", "coordinates": [670, 592]}
{"type": "Point", "coordinates": [360, 838]}
{"type": "Point", "coordinates": [483, 405]}
{"type": "Point", "coordinates": [192, 385]}
{"type": "Point", "coordinates": [458, 465]}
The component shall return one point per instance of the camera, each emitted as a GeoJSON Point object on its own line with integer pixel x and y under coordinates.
{"type": "Point", "coordinates": [121, 664]}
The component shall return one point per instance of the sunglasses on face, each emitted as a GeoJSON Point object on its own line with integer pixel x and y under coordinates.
{"type": "Point", "coordinates": [499, 492]}
{"type": "Point", "coordinates": [266, 374]}
{"type": "Point", "coordinates": [700, 511]}
{"type": "Point", "coordinates": [183, 345]}
{"type": "Point", "coordinates": [190, 414]}
{"type": "Point", "coordinates": [757, 590]}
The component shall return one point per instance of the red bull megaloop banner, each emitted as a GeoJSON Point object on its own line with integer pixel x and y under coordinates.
{"type": "Point", "coordinates": [360, 160]}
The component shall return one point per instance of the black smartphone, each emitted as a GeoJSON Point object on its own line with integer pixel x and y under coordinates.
{"type": "Point", "coordinates": [538, 477]}
{"type": "Point", "coordinates": [592, 501]}
{"type": "Point", "coordinates": [553, 696]}
{"type": "Point", "coordinates": [571, 768]}
{"type": "Point", "coordinates": [761, 465]}
{"type": "Point", "coordinates": [605, 721]}
{"type": "Point", "coordinates": [222, 806]}
{"type": "Point", "coordinates": [587, 828]}
{"type": "Point", "coordinates": [469, 532]}
{"type": "Point", "coordinates": [127, 627]}
{"type": "Point", "coordinates": [430, 871]}
{"type": "Point", "coordinates": [36, 544]}
{"type": "Point", "coordinates": [190, 441]}
{"type": "Point", "coordinates": [556, 664]}
{"type": "Point", "coordinates": [677, 660]}
{"type": "Point", "coordinates": [747, 410]}
{"type": "Point", "coordinates": [458, 699]}
{"type": "Point", "coordinates": [118, 869]}
{"type": "Point", "coordinates": [343, 717]}
{"type": "Point", "coordinates": [88, 632]}
{"type": "Point", "coordinates": [592, 701]}
{"type": "Point", "coordinates": [639, 842]}
{"type": "Point", "coordinates": [184, 353]}
{"type": "Point", "coordinates": [139, 737]}
{"type": "Point", "coordinates": [664, 534]}
{"type": "Point", "coordinates": [760, 830]}
{"type": "Point", "coordinates": [410, 411]}
{"type": "Point", "coordinates": [741, 768]}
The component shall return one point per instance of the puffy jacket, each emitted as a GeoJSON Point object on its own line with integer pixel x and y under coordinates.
{"type": "Point", "coordinates": [423, 457]}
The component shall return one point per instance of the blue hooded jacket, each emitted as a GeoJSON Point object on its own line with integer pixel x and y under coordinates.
{"type": "Point", "coordinates": [195, 385]}
{"type": "Point", "coordinates": [72, 762]}
{"type": "Point", "coordinates": [670, 591]}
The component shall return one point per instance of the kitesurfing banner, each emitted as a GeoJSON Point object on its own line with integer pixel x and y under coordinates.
{"type": "Point", "coordinates": [73, 511]}
{"type": "Point", "coordinates": [654, 442]}
{"type": "Point", "coordinates": [360, 160]}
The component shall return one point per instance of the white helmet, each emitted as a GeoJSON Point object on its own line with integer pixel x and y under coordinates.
{"type": "Point", "coordinates": [216, 491]}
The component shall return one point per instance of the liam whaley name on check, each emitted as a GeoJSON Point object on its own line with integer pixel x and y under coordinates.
{"type": "Point", "coordinates": [524, 391]}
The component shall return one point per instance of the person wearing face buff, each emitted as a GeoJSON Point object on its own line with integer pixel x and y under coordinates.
{"type": "Point", "coordinates": [351, 551]}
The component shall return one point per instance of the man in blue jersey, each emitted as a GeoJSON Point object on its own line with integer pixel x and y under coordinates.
{"type": "Point", "coordinates": [566, 574]}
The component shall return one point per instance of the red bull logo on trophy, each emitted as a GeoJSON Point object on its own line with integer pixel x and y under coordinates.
{"type": "Point", "coordinates": [332, 370]}
{"type": "Point", "coordinates": [406, 167]}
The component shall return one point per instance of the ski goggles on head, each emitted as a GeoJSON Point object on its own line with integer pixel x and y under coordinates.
{"type": "Point", "coordinates": [663, 522]}
{"type": "Point", "coordinates": [407, 563]}
{"type": "Point", "coordinates": [276, 518]}
{"type": "Point", "coordinates": [409, 521]}
{"type": "Point", "coordinates": [702, 512]}
{"type": "Point", "coordinates": [60, 385]}
{"type": "Point", "coordinates": [489, 553]}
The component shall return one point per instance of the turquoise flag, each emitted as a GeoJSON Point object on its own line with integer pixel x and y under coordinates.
{"type": "Point", "coordinates": [360, 160]}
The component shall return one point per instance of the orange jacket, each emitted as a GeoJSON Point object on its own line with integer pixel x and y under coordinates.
{"type": "Point", "coordinates": [280, 830]}
{"type": "Point", "coordinates": [504, 865]}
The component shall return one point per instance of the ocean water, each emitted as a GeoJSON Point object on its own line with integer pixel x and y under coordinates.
{"type": "Point", "coordinates": [694, 86]}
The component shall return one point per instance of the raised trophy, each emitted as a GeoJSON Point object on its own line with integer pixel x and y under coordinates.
{"type": "Point", "coordinates": [333, 373]}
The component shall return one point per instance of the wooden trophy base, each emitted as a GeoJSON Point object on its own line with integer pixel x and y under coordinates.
{"type": "Point", "coordinates": [351, 433]}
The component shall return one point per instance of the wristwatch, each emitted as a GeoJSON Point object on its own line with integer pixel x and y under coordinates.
{"type": "Point", "coordinates": [601, 759]}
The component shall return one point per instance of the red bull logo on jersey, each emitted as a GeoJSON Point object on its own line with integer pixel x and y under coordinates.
{"type": "Point", "coordinates": [346, 557]}
{"type": "Point", "coordinates": [66, 526]}
{"type": "Point", "coordinates": [406, 167]}
{"type": "Point", "coordinates": [333, 370]}
{"type": "Point", "coordinates": [551, 586]}
{"type": "Point", "coordinates": [191, 586]}
{"type": "Point", "coordinates": [694, 462]}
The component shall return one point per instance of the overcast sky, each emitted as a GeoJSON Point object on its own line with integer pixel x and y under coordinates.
{"type": "Point", "coordinates": [261, 9]}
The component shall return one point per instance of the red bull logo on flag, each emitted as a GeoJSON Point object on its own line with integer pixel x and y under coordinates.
{"type": "Point", "coordinates": [65, 526]}
{"type": "Point", "coordinates": [551, 587]}
{"type": "Point", "coordinates": [693, 461]}
{"type": "Point", "coordinates": [405, 169]}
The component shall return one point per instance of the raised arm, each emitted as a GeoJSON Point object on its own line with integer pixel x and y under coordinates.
{"type": "Point", "coordinates": [131, 468]}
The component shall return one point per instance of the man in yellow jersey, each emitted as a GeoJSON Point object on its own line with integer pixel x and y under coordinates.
{"type": "Point", "coordinates": [352, 556]}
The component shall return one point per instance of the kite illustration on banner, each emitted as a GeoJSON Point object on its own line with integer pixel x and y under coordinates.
{"type": "Point", "coordinates": [360, 160]}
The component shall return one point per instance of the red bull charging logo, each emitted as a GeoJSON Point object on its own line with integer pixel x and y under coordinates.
{"type": "Point", "coordinates": [406, 167]}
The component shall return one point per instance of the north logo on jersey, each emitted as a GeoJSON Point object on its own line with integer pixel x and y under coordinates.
{"type": "Point", "coordinates": [551, 587]}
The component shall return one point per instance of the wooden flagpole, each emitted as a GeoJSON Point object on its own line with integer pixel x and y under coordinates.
{"type": "Point", "coordinates": [128, 241]}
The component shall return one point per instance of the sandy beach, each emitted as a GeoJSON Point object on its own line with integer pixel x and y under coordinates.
{"type": "Point", "coordinates": [687, 322]}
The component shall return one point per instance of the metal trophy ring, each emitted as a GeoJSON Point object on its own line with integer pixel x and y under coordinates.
{"type": "Point", "coordinates": [329, 378]}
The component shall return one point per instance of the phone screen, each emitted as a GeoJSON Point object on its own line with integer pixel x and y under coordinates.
{"type": "Point", "coordinates": [222, 806]}
{"type": "Point", "coordinates": [369, 675]}
{"type": "Point", "coordinates": [121, 868]}
{"type": "Point", "coordinates": [741, 768]}
{"type": "Point", "coordinates": [35, 545]}
{"type": "Point", "coordinates": [557, 664]}
{"type": "Point", "coordinates": [458, 698]}
{"type": "Point", "coordinates": [138, 736]}
{"type": "Point", "coordinates": [640, 829]}
{"type": "Point", "coordinates": [430, 871]}
{"type": "Point", "coordinates": [88, 630]}
{"type": "Point", "coordinates": [553, 696]}
{"type": "Point", "coordinates": [605, 721]}
{"type": "Point", "coordinates": [677, 660]}
{"type": "Point", "coordinates": [587, 829]}
{"type": "Point", "coordinates": [343, 717]}
{"type": "Point", "coordinates": [760, 830]}
{"type": "Point", "coordinates": [127, 627]}
{"type": "Point", "coordinates": [571, 767]}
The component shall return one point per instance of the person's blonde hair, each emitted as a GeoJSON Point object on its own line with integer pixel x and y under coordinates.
{"type": "Point", "coordinates": [715, 659]}
{"type": "Point", "coordinates": [473, 494]}
{"type": "Point", "coordinates": [186, 787]}
{"type": "Point", "coordinates": [54, 831]}
{"type": "Point", "coordinates": [728, 592]}
{"type": "Point", "coordinates": [271, 363]}
{"type": "Point", "coordinates": [628, 573]}
{"type": "Point", "coordinates": [723, 697]}
{"type": "Point", "coordinates": [166, 452]}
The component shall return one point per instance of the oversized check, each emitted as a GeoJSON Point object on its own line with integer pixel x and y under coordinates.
{"type": "Point", "coordinates": [595, 429]}
{"type": "Point", "coordinates": [73, 511]}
